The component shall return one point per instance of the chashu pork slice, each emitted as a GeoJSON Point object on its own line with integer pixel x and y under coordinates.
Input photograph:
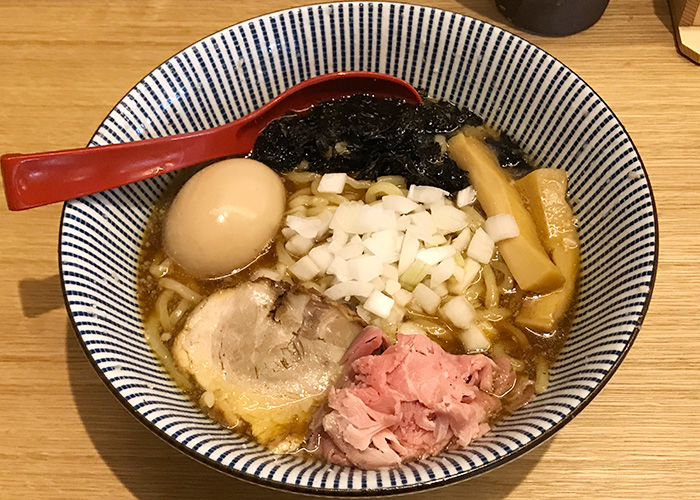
{"type": "Point", "coordinates": [268, 352]}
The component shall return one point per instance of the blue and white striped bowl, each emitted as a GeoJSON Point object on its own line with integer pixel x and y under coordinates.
{"type": "Point", "coordinates": [516, 87]}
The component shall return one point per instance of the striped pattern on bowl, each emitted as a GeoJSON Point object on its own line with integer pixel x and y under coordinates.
{"type": "Point", "coordinates": [516, 87]}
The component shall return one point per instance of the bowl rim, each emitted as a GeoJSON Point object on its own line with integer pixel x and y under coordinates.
{"type": "Point", "coordinates": [384, 490]}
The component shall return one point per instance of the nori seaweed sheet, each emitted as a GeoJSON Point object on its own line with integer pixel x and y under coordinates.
{"type": "Point", "coordinates": [368, 137]}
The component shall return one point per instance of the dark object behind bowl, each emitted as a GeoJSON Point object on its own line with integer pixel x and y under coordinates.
{"type": "Point", "coordinates": [553, 17]}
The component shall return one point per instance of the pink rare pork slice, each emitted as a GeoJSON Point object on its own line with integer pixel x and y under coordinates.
{"type": "Point", "coordinates": [412, 400]}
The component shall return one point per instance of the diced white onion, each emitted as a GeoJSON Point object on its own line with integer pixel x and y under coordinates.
{"type": "Point", "coordinates": [474, 340]}
{"type": "Point", "coordinates": [426, 298]}
{"type": "Point", "coordinates": [288, 232]}
{"type": "Point", "coordinates": [466, 196]}
{"type": "Point", "coordinates": [345, 217]}
{"type": "Point", "coordinates": [471, 271]}
{"type": "Point", "coordinates": [435, 240]}
{"type": "Point", "coordinates": [402, 297]}
{"type": "Point", "coordinates": [370, 219]}
{"type": "Point", "coordinates": [481, 247]}
{"type": "Point", "coordinates": [398, 204]}
{"type": "Point", "coordinates": [304, 269]}
{"type": "Point", "coordinates": [501, 227]}
{"type": "Point", "coordinates": [441, 290]}
{"type": "Point", "coordinates": [411, 328]}
{"type": "Point", "coordinates": [339, 268]}
{"type": "Point", "coordinates": [423, 225]}
{"type": "Point", "coordinates": [464, 277]}
{"type": "Point", "coordinates": [298, 245]}
{"type": "Point", "coordinates": [364, 314]}
{"type": "Point", "coordinates": [379, 304]}
{"type": "Point", "coordinates": [403, 222]}
{"type": "Point", "coordinates": [354, 248]}
{"type": "Point", "coordinates": [349, 289]}
{"type": "Point", "coordinates": [390, 272]}
{"type": "Point", "coordinates": [383, 245]}
{"type": "Point", "coordinates": [392, 322]}
{"type": "Point", "coordinates": [409, 250]}
{"type": "Point", "coordinates": [378, 283]}
{"type": "Point", "coordinates": [426, 194]}
{"type": "Point", "coordinates": [387, 220]}
{"type": "Point", "coordinates": [442, 272]}
{"type": "Point", "coordinates": [462, 240]}
{"type": "Point", "coordinates": [392, 286]}
{"type": "Point", "coordinates": [321, 256]}
{"type": "Point", "coordinates": [364, 268]}
{"type": "Point", "coordinates": [332, 183]}
{"type": "Point", "coordinates": [459, 312]}
{"type": "Point", "coordinates": [305, 226]}
{"type": "Point", "coordinates": [324, 223]}
{"type": "Point", "coordinates": [432, 256]}
{"type": "Point", "coordinates": [448, 218]}
{"type": "Point", "coordinates": [337, 240]}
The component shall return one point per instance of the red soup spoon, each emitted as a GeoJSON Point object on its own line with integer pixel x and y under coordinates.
{"type": "Point", "coordinates": [37, 179]}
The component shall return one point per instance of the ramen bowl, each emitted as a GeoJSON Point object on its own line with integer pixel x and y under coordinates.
{"type": "Point", "coordinates": [555, 117]}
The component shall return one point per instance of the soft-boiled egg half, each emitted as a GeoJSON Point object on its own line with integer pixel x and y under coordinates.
{"type": "Point", "coordinates": [224, 217]}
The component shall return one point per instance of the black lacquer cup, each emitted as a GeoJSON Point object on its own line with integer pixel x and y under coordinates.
{"type": "Point", "coordinates": [553, 17]}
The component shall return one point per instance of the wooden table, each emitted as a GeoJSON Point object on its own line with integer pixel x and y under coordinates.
{"type": "Point", "coordinates": [63, 64]}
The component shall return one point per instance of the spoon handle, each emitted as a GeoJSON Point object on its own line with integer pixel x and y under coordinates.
{"type": "Point", "coordinates": [37, 179]}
